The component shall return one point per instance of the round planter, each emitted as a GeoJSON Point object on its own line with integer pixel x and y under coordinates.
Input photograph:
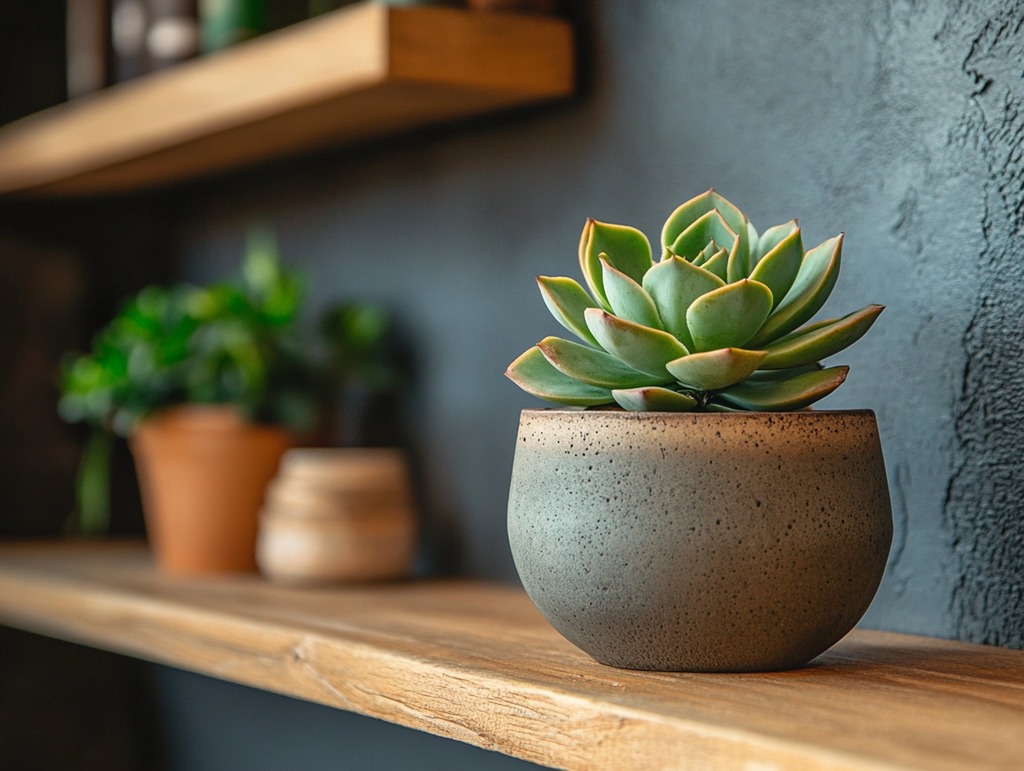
{"type": "Point", "coordinates": [338, 514]}
{"type": "Point", "coordinates": [700, 542]}
{"type": "Point", "coordinates": [203, 471]}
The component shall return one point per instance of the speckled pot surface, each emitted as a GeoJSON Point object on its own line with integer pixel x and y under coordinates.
{"type": "Point", "coordinates": [700, 542]}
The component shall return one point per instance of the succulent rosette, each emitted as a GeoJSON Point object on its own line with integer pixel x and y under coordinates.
{"type": "Point", "coordinates": [720, 322]}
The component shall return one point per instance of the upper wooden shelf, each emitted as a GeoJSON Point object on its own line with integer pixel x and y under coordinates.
{"type": "Point", "coordinates": [477, 663]}
{"type": "Point", "coordinates": [364, 71]}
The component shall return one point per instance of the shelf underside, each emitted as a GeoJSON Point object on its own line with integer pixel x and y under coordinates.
{"type": "Point", "coordinates": [363, 72]}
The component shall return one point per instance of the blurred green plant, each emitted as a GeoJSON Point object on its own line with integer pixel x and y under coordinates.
{"type": "Point", "coordinates": [228, 343]}
{"type": "Point", "coordinates": [360, 350]}
{"type": "Point", "coordinates": [237, 342]}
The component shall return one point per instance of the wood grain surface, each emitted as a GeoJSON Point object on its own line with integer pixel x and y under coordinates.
{"type": "Point", "coordinates": [476, 662]}
{"type": "Point", "coordinates": [364, 71]}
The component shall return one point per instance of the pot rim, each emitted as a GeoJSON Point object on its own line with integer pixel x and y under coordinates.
{"type": "Point", "coordinates": [222, 416]}
{"type": "Point", "coordinates": [619, 414]}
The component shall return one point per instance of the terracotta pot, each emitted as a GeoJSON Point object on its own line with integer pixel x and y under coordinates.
{"type": "Point", "coordinates": [700, 542]}
{"type": "Point", "coordinates": [203, 471]}
{"type": "Point", "coordinates": [515, 6]}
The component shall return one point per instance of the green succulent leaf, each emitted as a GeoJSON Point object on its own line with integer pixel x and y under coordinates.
{"type": "Point", "coordinates": [728, 317]}
{"type": "Point", "coordinates": [821, 340]}
{"type": "Point", "coordinates": [783, 374]}
{"type": "Point", "coordinates": [772, 237]}
{"type": "Point", "coordinates": [642, 348]}
{"type": "Point", "coordinates": [538, 377]}
{"type": "Point", "coordinates": [738, 265]}
{"type": "Point", "coordinates": [567, 301]}
{"type": "Point", "coordinates": [628, 299]}
{"type": "Point", "coordinates": [712, 370]}
{"type": "Point", "coordinates": [711, 227]}
{"type": "Point", "coordinates": [752, 239]}
{"type": "Point", "coordinates": [596, 368]}
{"type": "Point", "coordinates": [710, 215]}
{"type": "Point", "coordinates": [685, 215]}
{"type": "Point", "coordinates": [793, 393]}
{"type": "Point", "coordinates": [625, 248]}
{"type": "Point", "coordinates": [674, 284]}
{"type": "Point", "coordinates": [779, 267]}
{"type": "Point", "coordinates": [706, 253]}
{"type": "Point", "coordinates": [810, 290]}
{"type": "Point", "coordinates": [739, 256]}
{"type": "Point", "coordinates": [654, 399]}
{"type": "Point", "coordinates": [718, 264]}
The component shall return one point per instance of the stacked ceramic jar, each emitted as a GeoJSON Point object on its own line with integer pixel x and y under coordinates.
{"type": "Point", "coordinates": [338, 515]}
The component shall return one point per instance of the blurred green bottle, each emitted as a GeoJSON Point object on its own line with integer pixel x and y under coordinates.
{"type": "Point", "coordinates": [226, 22]}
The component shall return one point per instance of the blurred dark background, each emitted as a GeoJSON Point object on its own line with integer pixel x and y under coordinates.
{"type": "Point", "coordinates": [897, 121]}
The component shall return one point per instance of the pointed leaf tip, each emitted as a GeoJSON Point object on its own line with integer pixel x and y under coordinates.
{"type": "Point", "coordinates": [811, 288]}
{"type": "Point", "coordinates": [567, 300]}
{"type": "Point", "coordinates": [587, 365]}
{"type": "Point", "coordinates": [624, 247]}
{"type": "Point", "coordinates": [821, 340]}
{"type": "Point", "coordinates": [628, 298]}
{"type": "Point", "coordinates": [778, 267]}
{"type": "Point", "coordinates": [783, 395]}
{"type": "Point", "coordinates": [535, 374]}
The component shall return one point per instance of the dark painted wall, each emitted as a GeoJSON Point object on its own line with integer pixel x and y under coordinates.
{"type": "Point", "coordinates": [898, 122]}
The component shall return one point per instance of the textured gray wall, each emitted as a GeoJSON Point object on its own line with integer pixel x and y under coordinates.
{"type": "Point", "coordinates": [984, 496]}
{"type": "Point", "coordinates": [896, 121]}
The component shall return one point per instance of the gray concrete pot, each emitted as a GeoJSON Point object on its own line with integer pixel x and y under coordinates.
{"type": "Point", "coordinates": [700, 542]}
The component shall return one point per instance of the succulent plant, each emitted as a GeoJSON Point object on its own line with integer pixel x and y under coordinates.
{"type": "Point", "coordinates": [718, 323]}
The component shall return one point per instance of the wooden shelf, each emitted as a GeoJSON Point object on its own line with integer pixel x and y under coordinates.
{"type": "Point", "coordinates": [364, 71]}
{"type": "Point", "coordinates": [477, 663]}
